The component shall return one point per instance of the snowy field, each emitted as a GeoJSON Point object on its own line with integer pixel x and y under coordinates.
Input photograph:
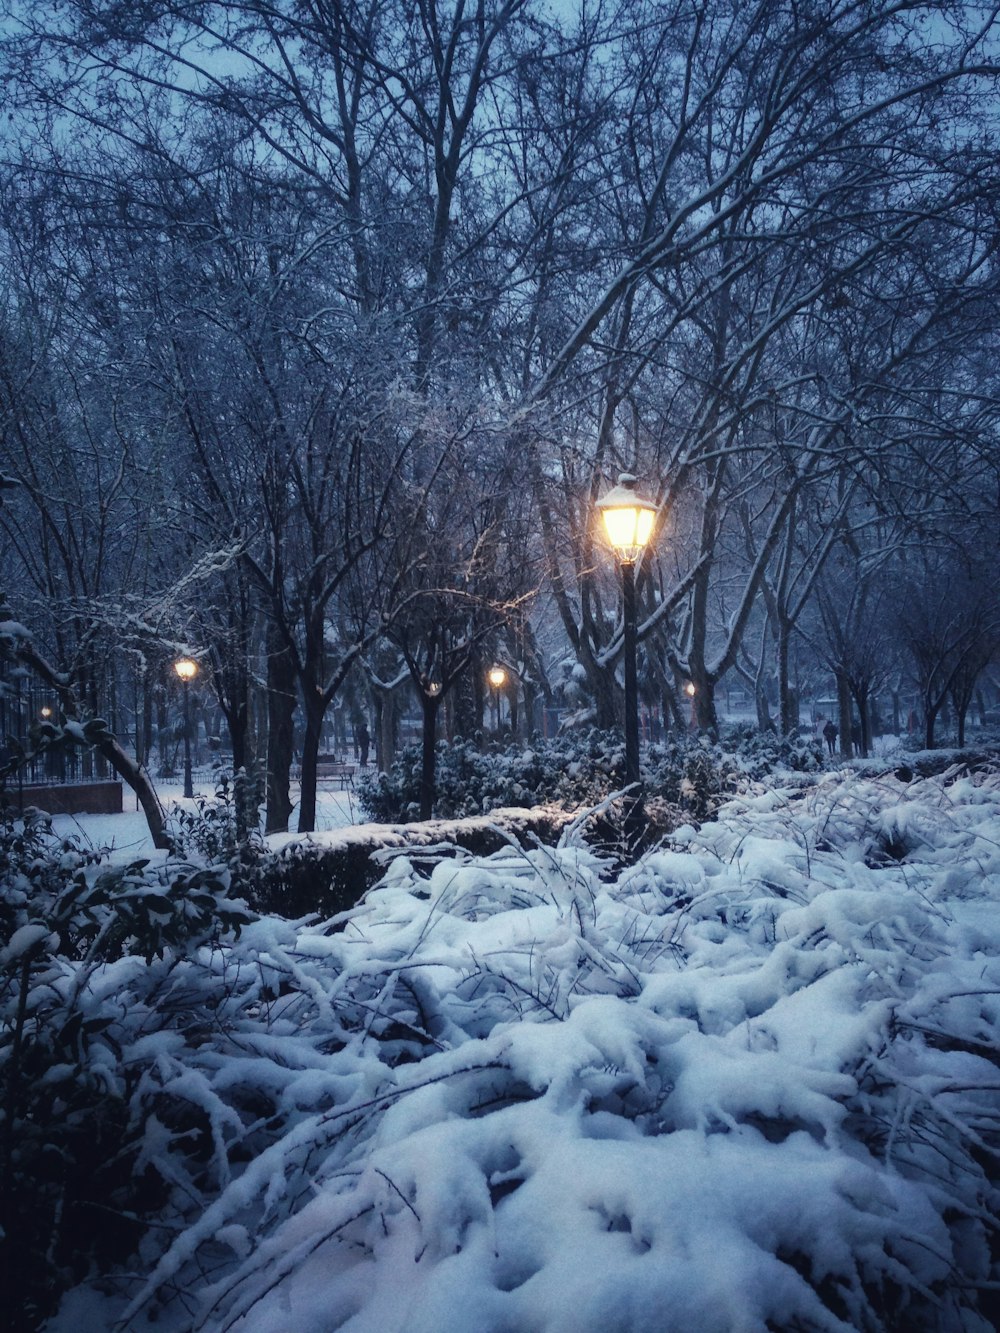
{"type": "Point", "coordinates": [127, 834]}
{"type": "Point", "coordinates": [750, 1083]}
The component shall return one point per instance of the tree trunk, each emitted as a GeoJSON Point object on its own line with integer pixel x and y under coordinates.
{"type": "Point", "coordinates": [385, 727]}
{"type": "Point", "coordinates": [430, 704]}
{"type": "Point", "coordinates": [530, 709]}
{"type": "Point", "coordinates": [466, 705]}
{"type": "Point", "coordinates": [785, 709]}
{"type": "Point", "coordinates": [705, 714]}
{"type": "Point", "coordinates": [313, 709]}
{"type": "Point", "coordinates": [136, 777]}
{"type": "Point", "coordinates": [143, 747]}
{"type": "Point", "coordinates": [162, 728]}
{"type": "Point", "coordinates": [703, 704]}
{"type": "Point", "coordinates": [930, 717]}
{"type": "Point", "coordinates": [764, 722]}
{"type": "Point", "coordinates": [844, 708]}
{"type": "Point", "coordinates": [235, 709]}
{"type": "Point", "coordinates": [281, 700]}
{"type": "Point", "coordinates": [607, 698]}
{"type": "Point", "coordinates": [864, 710]}
{"type": "Point", "coordinates": [511, 693]}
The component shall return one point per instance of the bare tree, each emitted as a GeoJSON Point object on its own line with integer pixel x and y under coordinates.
{"type": "Point", "coordinates": [948, 619]}
{"type": "Point", "coordinates": [742, 252]}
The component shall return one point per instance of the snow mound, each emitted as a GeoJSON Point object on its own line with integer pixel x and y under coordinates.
{"type": "Point", "coordinates": [749, 1083]}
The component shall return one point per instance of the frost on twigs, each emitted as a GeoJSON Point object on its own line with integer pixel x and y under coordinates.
{"type": "Point", "coordinates": [747, 1082]}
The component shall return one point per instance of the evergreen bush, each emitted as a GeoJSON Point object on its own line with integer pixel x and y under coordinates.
{"type": "Point", "coordinates": [578, 769]}
{"type": "Point", "coordinates": [84, 949]}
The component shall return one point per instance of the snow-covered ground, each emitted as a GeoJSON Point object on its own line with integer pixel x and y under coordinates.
{"type": "Point", "coordinates": [127, 834]}
{"type": "Point", "coordinates": [750, 1083]}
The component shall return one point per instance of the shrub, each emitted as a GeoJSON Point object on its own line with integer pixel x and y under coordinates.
{"type": "Point", "coordinates": [224, 827]}
{"type": "Point", "coordinates": [84, 947]}
{"type": "Point", "coordinates": [759, 753]}
{"type": "Point", "coordinates": [566, 770]}
{"type": "Point", "coordinates": [577, 769]}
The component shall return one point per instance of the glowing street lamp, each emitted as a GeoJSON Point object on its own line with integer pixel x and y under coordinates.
{"type": "Point", "coordinates": [690, 689]}
{"type": "Point", "coordinates": [628, 519]}
{"type": "Point", "coordinates": [45, 713]}
{"type": "Point", "coordinates": [628, 523]}
{"type": "Point", "coordinates": [187, 670]}
{"type": "Point", "coordinates": [497, 676]}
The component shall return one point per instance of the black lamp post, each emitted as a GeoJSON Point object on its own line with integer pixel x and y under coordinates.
{"type": "Point", "coordinates": [187, 670]}
{"type": "Point", "coordinates": [628, 522]}
{"type": "Point", "coordinates": [497, 676]}
{"type": "Point", "coordinates": [45, 713]}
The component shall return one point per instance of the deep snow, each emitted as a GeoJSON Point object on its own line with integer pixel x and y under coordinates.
{"type": "Point", "coordinates": [749, 1083]}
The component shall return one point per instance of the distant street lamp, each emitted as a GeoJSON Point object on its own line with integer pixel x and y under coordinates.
{"type": "Point", "coordinates": [497, 677]}
{"type": "Point", "coordinates": [628, 522]}
{"type": "Point", "coordinates": [45, 713]}
{"type": "Point", "coordinates": [690, 689]}
{"type": "Point", "coordinates": [187, 670]}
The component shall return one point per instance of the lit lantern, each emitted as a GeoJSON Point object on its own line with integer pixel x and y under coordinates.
{"type": "Point", "coordinates": [497, 677]}
{"type": "Point", "coordinates": [187, 670]}
{"type": "Point", "coordinates": [628, 519]}
{"type": "Point", "coordinates": [628, 522]}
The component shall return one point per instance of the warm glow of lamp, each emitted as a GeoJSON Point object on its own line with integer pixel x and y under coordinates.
{"type": "Point", "coordinates": [497, 676]}
{"type": "Point", "coordinates": [690, 689]}
{"type": "Point", "coordinates": [628, 519]}
{"type": "Point", "coordinates": [186, 668]}
{"type": "Point", "coordinates": [46, 712]}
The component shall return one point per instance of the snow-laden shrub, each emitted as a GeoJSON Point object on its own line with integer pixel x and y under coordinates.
{"type": "Point", "coordinates": [86, 956]}
{"type": "Point", "coordinates": [571, 770]}
{"type": "Point", "coordinates": [224, 827]}
{"type": "Point", "coordinates": [331, 874]}
{"type": "Point", "coordinates": [759, 753]}
{"type": "Point", "coordinates": [748, 1082]}
{"type": "Point", "coordinates": [298, 878]}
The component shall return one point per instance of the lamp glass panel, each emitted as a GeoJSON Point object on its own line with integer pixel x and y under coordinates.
{"type": "Point", "coordinates": [620, 525]}
{"type": "Point", "coordinates": [630, 527]}
{"type": "Point", "coordinates": [644, 526]}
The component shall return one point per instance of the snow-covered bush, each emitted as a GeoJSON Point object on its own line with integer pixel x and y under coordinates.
{"type": "Point", "coordinates": [86, 955]}
{"type": "Point", "coordinates": [761, 752]}
{"type": "Point", "coordinates": [749, 1082]}
{"type": "Point", "coordinates": [298, 878]}
{"type": "Point", "coordinates": [224, 827]}
{"type": "Point", "coordinates": [570, 770]}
